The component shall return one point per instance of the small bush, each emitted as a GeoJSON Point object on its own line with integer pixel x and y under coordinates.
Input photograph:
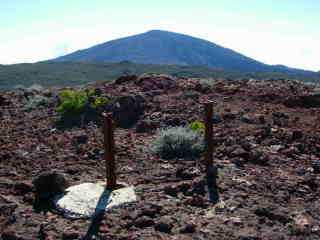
{"type": "Point", "coordinates": [178, 142]}
{"type": "Point", "coordinates": [72, 102]}
{"type": "Point", "coordinates": [79, 106]}
{"type": "Point", "coordinates": [197, 126]}
{"type": "Point", "coordinates": [99, 102]}
{"type": "Point", "coordinates": [36, 101]}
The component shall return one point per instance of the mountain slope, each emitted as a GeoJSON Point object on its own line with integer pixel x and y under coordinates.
{"type": "Point", "coordinates": [162, 47]}
{"type": "Point", "coordinates": [78, 73]}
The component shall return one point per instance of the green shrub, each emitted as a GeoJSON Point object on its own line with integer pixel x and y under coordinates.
{"type": "Point", "coordinates": [72, 102]}
{"type": "Point", "coordinates": [197, 126]}
{"type": "Point", "coordinates": [178, 142]}
{"type": "Point", "coordinates": [99, 102]}
{"type": "Point", "coordinates": [78, 107]}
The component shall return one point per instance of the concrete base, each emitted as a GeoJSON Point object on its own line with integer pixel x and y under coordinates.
{"type": "Point", "coordinates": [89, 199]}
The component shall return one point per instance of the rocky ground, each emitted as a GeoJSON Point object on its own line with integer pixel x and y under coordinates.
{"type": "Point", "coordinates": [267, 149]}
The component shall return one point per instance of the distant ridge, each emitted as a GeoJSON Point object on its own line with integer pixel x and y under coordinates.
{"type": "Point", "coordinates": [163, 47]}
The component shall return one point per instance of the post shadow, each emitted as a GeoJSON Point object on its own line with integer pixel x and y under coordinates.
{"type": "Point", "coordinates": [98, 215]}
{"type": "Point", "coordinates": [211, 177]}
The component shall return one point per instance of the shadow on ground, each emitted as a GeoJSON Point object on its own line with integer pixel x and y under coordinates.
{"type": "Point", "coordinates": [212, 175]}
{"type": "Point", "coordinates": [98, 215]}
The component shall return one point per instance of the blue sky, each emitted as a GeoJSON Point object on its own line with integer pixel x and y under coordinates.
{"type": "Point", "coordinates": [275, 32]}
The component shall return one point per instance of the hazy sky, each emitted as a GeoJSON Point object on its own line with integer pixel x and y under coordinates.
{"type": "Point", "coordinates": [272, 31]}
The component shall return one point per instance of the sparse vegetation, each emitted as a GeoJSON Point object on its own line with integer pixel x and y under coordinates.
{"type": "Point", "coordinates": [178, 142]}
{"type": "Point", "coordinates": [197, 126]}
{"type": "Point", "coordinates": [99, 102]}
{"type": "Point", "coordinates": [73, 102]}
{"type": "Point", "coordinates": [208, 82]}
{"type": "Point", "coordinates": [75, 73]}
{"type": "Point", "coordinates": [36, 102]}
{"type": "Point", "coordinates": [79, 105]}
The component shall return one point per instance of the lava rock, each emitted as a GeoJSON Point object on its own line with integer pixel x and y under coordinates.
{"type": "Point", "coordinates": [199, 187]}
{"type": "Point", "coordinates": [239, 152]}
{"type": "Point", "coordinates": [305, 101]}
{"type": "Point", "coordinates": [188, 228]}
{"type": "Point", "coordinates": [22, 188]}
{"type": "Point", "coordinates": [296, 135]}
{"type": "Point", "coordinates": [191, 94]}
{"type": "Point", "coordinates": [196, 201]}
{"type": "Point", "coordinates": [3, 101]}
{"type": "Point", "coordinates": [143, 222]}
{"type": "Point", "coordinates": [216, 118]}
{"type": "Point", "coordinates": [302, 225]}
{"type": "Point", "coordinates": [150, 211]}
{"type": "Point", "coordinates": [81, 139]}
{"type": "Point", "coordinates": [272, 214]}
{"type": "Point", "coordinates": [150, 82]}
{"type": "Point", "coordinates": [202, 88]}
{"type": "Point", "coordinates": [6, 209]}
{"type": "Point", "coordinates": [165, 225]}
{"type": "Point", "coordinates": [175, 121]}
{"type": "Point", "coordinates": [316, 166]}
{"type": "Point", "coordinates": [144, 126]}
{"type": "Point", "coordinates": [171, 190]}
{"type": "Point", "coordinates": [187, 173]}
{"type": "Point", "coordinates": [70, 235]}
{"type": "Point", "coordinates": [125, 78]}
{"type": "Point", "coordinates": [249, 238]}
{"type": "Point", "coordinates": [247, 119]}
{"type": "Point", "coordinates": [49, 183]}
{"type": "Point", "coordinates": [256, 156]}
{"type": "Point", "coordinates": [280, 115]}
{"type": "Point", "coordinates": [127, 109]}
{"type": "Point", "coordinates": [11, 235]}
{"type": "Point", "coordinates": [229, 115]}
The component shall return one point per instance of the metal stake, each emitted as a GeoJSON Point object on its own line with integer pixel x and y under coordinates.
{"type": "Point", "coordinates": [111, 179]}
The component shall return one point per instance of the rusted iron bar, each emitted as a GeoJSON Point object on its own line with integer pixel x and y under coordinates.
{"type": "Point", "coordinates": [208, 106]}
{"type": "Point", "coordinates": [111, 179]}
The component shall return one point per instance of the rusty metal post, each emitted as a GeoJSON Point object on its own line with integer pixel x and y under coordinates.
{"type": "Point", "coordinates": [111, 179]}
{"type": "Point", "coordinates": [208, 134]}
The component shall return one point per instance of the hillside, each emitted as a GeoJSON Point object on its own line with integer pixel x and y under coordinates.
{"type": "Point", "coordinates": [162, 47]}
{"type": "Point", "coordinates": [75, 73]}
{"type": "Point", "coordinates": [266, 150]}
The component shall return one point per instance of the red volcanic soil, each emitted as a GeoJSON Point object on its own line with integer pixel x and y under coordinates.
{"type": "Point", "coordinates": [267, 149]}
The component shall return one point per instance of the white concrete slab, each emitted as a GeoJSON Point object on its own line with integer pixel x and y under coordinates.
{"type": "Point", "coordinates": [89, 199]}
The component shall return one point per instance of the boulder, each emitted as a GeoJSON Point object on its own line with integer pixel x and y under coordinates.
{"type": "Point", "coordinates": [126, 78]}
{"type": "Point", "coordinates": [48, 184]}
{"type": "Point", "coordinates": [150, 82]}
{"type": "Point", "coordinates": [306, 101]}
{"type": "Point", "coordinates": [126, 110]}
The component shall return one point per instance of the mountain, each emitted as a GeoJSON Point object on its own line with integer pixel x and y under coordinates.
{"type": "Point", "coordinates": [163, 47]}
